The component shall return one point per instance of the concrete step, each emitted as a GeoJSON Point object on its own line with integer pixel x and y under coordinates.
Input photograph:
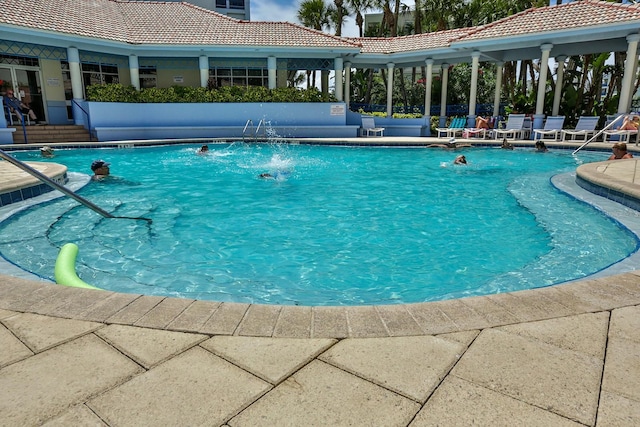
{"type": "Point", "coordinates": [51, 133]}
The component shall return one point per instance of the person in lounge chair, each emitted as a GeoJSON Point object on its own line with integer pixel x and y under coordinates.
{"type": "Point", "coordinates": [631, 122]}
{"type": "Point", "coordinates": [482, 123]}
{"type": "Point", "coordinates": [620, 152]}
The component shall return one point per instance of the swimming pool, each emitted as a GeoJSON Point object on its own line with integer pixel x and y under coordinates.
{"type": "Point", "coordinates": [337, 225]}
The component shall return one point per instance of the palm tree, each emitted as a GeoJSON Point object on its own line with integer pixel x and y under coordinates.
{"type": "Point", "coordinates": [314, 14]}
{"type": "Point", "coordinates": [359, 7]}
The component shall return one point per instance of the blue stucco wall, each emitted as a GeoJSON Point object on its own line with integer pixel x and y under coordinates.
{"type": "Point", "coordinates": [120, 121]}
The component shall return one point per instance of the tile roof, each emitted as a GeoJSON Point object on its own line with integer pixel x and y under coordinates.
{"type": "Point", "coordinates": [435, 40]}
{"type": "Point", "coordinates": [579, 14]}
{"type": "Point", "coordinates": [173, 23]}
{"type": "Point", "coordinates": [157, 22]}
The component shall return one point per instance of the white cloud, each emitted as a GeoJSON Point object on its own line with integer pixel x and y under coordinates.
{"type": "Point", "coordinates": [287, 11]}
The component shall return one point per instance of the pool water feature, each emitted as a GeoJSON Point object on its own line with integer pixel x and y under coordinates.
{"type": "Point", "coordinates": [330, 226]}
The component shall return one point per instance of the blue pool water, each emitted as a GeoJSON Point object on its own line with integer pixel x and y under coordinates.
{"type": "Point", "coordinates": [336, 226]}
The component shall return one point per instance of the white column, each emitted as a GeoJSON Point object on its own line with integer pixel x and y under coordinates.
{"type": "Point", "coordinates": [627, 79]}
{"type": "Point", "coordinates": [473, 94]}
{"type": "Point", "coordinates": [272, 67]}
{"type": "Point", "coordinates": [428, 82]}
{"type": "Point", "coordinates": [557, 95]}
{"type": "Point", "coordinates": [443, 95]}
{"type": "Point", "coordinates": [203, 64]}
{"type": "Point", "coordinates": [390, 66]}
{"type": "Point", "coordinates": [634, 73]}
{"type": "Point", "coordinates": [73, 56]}
{"type": "Point", "coordinates": [347, 83]}
{"type": "Point", "coordinates": [134, 71]}
{"type": "Point", "coordinates": [542, 77]}
{"type": "Point", "coordinates": [498, 91]}
{"type": "Point", "coordinates": [338, 69]}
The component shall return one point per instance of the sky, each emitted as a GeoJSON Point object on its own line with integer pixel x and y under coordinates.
{"type": "Point", "coordinates": [287, 10]}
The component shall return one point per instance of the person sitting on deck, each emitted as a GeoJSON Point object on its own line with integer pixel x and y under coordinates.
{"type": "Point", "coordinates": [14, 104]}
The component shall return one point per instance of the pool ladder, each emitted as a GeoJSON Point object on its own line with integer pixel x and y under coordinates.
{"type": "Point", "coordinates": [251, 131]}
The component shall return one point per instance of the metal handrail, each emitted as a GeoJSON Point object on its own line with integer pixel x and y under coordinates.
{"type": "Point", "coordinates": [262, 124]}
{"type": "Point", "coordinates": [61, 188]}
{"type": "Point", "coordinates": [244, 131]}
{"type": "Point", "coordinates": [598, 133]}
{"type": "Point", "coordinates": [11, 104]}
{"type": "Point", "coordinates": [86, 113]}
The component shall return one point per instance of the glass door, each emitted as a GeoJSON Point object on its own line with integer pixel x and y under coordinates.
{"type": "Point", "coordinates": [26, 85]}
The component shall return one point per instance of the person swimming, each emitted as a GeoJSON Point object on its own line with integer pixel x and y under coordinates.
{"type": "Point", "coordinates": [460, 160]}
{"type": "Point", "coordinates": [277, 175]}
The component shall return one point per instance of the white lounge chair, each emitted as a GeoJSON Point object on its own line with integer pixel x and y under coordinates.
{"type": "Point", "coordinates": [552, 129]}
{"type": "Point", "coordinates": [369, 127]}
{"type": "Point", "coordinates": [455, 128]}
{"type": "Point", "coordinates": [585, 128]}
{"type": "Point", "coordinates": [514, 128]}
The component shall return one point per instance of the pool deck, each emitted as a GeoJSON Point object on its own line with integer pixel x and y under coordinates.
{"type": "Point", "coordinates": [561, 355]}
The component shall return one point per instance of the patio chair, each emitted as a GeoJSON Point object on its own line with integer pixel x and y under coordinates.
{"type": "Point", "coordinates": [455, 128]}
{"type": "Point", "coordinates": [513, 129]}
{"type": "Point", "coordinates": [585, 128]}
{"type": "Point", "coordinates": [369, 127]}
{"type": "Point", "coordinates": [552, 129]}
{"type": "Point", "coordinates": [616, 134]}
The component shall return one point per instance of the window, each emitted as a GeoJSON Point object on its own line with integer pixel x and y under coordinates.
{"type": "Point", "coordinates": [148, 77]}
{"type": "Point", "coordinates": [96, 74]}
{"type": "Point", "coordinates": [236, 4]}
{"type": "Point", "coordinates": [19, 60]}
{"type": "Point", "coordinates": [239, 76]}
{"type": "Point", "coordinates": [68, 90]}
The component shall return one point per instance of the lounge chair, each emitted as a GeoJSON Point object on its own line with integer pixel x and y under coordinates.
{"type": "Point", "coordinates": [455, 128]}
{"type": "Point", "coordinates": [552, 129]}
{"type": "Point", "coordinates": [619, 135]}
{"type": "Point", "coordinates": [514, 128]}
{"type": "Point", "coordinates": [585, 128]}
{"type": "Point", "coordinates": [369, 127]}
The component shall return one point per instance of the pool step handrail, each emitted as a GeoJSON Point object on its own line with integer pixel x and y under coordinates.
{"type": "Point", "coordinates": [45, 179]}
{"type": "Point", "coordinates": [261, 125]}
{"type": "Point", "coordinates": [590, 140]}
{"type": "Point", "coordinates": [246, 126]}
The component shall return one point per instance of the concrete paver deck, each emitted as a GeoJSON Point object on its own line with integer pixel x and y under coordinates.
{"type": "Point", "coordinates": [566, 355]}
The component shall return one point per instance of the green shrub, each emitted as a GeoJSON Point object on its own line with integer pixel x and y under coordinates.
{"type": "Point", "coordinates": [120, 93]}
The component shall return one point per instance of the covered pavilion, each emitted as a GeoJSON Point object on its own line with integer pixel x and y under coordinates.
{"type": "Point", "coordinates": [50, 51]}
